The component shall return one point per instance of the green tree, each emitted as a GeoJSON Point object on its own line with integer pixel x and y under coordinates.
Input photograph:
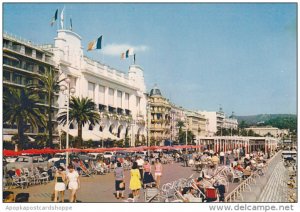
{"type": "Point", "coordinates": [82, 111]}
{"type": "Point", "coordinates": [21, 108]}
{"type": "Point", "coordinates": [182, 137]}
{"type": "Point", "coordinates": [50, 86]}
{"type": "Point", "coordinates": [180, 124]}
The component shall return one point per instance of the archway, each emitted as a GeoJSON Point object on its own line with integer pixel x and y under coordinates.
{"type": "Point", "coordinates": [119, 131]}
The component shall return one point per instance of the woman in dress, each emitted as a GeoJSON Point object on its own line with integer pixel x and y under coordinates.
{"type": "Point", "coordinates": [148, 178]}
{"type": "Point", "coordinates": [157, 171]}
{"type": "Point", "coordinates": [73, 182]}
{"type": "Point", "coordinates": [119, 176]}
{"type": "Point", "coordinates": [60, 186]}
{"type": "Point", "coordinates": [135, 180]}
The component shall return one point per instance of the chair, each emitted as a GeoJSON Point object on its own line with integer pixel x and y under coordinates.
{"type": "Point", "coordinates": [151, 195]}
{"type": "Point", "coordinates": [235, 176]}
{"type": "Point", "coordinates": [20, 181]}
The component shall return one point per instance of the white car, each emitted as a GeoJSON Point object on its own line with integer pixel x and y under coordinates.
{"type": "Point", "coordinates": [57, 157]}
{"type": "Point", "coordinates": [10, 159]}
{"type": "Point", "coordinates": [108, 154]}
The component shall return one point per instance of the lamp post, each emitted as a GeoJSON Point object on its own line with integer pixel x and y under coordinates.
{"type": "Point", "coordinates": [186, 130]}
{"type": "Point", "coordinates": [148, 127]}
{"type": "Point", "coordinates": [66, 90]}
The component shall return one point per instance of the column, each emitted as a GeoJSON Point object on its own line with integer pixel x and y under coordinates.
{"type": "Point", "coordinates": [115, 98]}
{"type": "Point", "coordinates": [96, 94]}
{"type": "Point", "coordinates": [106, 95]}
{"type": "Point", "coordinates": [123, 100]}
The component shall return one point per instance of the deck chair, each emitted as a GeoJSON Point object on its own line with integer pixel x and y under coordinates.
{"type": "Point", "coordinates": [151, 195]}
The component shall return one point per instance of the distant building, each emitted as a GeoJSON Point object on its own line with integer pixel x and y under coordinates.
{"type": "Point", "coordinates": [196, 123]}
{"type": "Point", "coordinates": [269, 131]}
{"type": "Point", "coordinates": [177, 114]}
{"type": "Point", "coordinates": [230, 123]}
{"type": "Point", "coordinates": [215, 121]}
{"type": "Point", "coordinates": [160, 128]}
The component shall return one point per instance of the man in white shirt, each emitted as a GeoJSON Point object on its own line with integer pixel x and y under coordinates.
{"type": "Point", "coordinates": [140, 162]}
{"type": "Point", "coordinates": [222, 155]}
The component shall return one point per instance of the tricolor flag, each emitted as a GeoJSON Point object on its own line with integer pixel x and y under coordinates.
{"type": "Point", "coordinates": [62, 18]}
{"type": "Point", "coordinates": [71, 25]}
{"type": "Point", "coordinates": [129, 52]}
{"type": "Point", "coordinates": [54, 18]}
{"type": "Point", "coordinates": [123, 56]}
{"type": "Point", "coordinates": [96, 44]}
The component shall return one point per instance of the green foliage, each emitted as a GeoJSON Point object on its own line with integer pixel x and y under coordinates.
{"type": "Point", "coordinates": [288, 122]}
{"type": "Point", "coordinates": [22, 108]}
{"type": "Point", "coordinates": [182, 137]}
{"type": "Point", "coordinates": [82, 111]}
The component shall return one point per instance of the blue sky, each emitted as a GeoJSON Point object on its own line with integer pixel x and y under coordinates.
{"type": "Point", "coordinates": [201, 56]}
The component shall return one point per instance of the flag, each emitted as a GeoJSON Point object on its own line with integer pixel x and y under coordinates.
{"type": "Point", "coordinates": [129, 52]}
{"type": "Point", "coordinates": [62, 18]}
{"type": "Point", "coordinates": [134, 59]}
{"type": "Point", "coordinates": [123, 56]}
{"type": "Point", "coordinates": [71, 25]}
{"type": "Point", "coordinates": [99, 42]}
{"type": "Point", "coordinates": [54, 18]}
{"type": "Point", "coordinates": [96, 44]}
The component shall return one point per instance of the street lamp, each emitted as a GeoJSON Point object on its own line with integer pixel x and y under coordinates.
{"type": "Point", "coordinates": [186, 130]}
{"type": "Point", "coordinates": [66, 90]}
{"type": "Point", "coordinates": [148, 126]}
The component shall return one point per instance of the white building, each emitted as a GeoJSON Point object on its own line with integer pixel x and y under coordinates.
{"type": "Point", "coordinates": [269, 131]}
{"type": "Point", "coordinates": [230, 123]}
{"type": "Point", "coordinates": [120, 97]}
{"type": "Point", "coordinates": [215, 121]}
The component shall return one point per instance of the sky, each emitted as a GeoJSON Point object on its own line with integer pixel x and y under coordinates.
{"type": "Point", "coordinates": [241, 57]}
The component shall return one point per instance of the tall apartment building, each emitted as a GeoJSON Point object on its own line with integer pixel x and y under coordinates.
{"type": "Point", "coordinates": [22, 63]}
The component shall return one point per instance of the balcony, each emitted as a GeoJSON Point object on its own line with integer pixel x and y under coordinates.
{"type": "Point", "coordinates": [127, 112]}
{"type": "Point", "coordinates": [120, 111]}
{"type": "Point", "coordinates": [111, 109]}
{"type": "Point", "coordinates": [102, 107]}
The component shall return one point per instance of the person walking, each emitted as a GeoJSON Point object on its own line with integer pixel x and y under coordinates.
{"type": "Point", "coordinates": [135, 180]}
{"type": "Point", "coordinates": [73, 182]}
{"type": "Point", "coordinates": [148, 178]}
{"type": "Point", "coordinates": [140, 163]}
{"type": "Point", "coordinates": [157, 171]}
{"type": "Point", "coordinates": [222, 157]}
{"type": "Point", "coordinates": [119, 183]}
{"type": "Point", "coordinates": [60, 186]}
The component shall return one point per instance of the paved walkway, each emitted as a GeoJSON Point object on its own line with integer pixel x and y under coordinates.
{"type": "Point", "coordinates": [276, 188]}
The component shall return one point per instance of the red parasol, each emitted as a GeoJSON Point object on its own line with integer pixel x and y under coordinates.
{"type": "Point", "coordinates": [8, 153]}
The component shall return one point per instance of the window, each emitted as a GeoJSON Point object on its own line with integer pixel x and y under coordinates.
{"type": "Point", "coordinates": [39, 55]}
{"type": "Point", "coordinates": [41, 70]}
{"type": "Point", "coordinates": [17, 78]}
{"type": "Point", "coordinates": [28, 51]}
{"type": "Point", "coordinates": [111, 97]}
{"type": "Point", "coordinates": [91, 91]}
{"type": "Point", "coordinates": [6, 75]}
{"type": "Point", "coordinates": [119, 99]}
{"type": "Point", "coordinates": [101, 94]}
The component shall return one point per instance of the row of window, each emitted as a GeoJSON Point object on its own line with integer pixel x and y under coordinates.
{"type": "Point", "coordinates": [100, 96]}
{"type": "Point", "coordinates": [26, 65]}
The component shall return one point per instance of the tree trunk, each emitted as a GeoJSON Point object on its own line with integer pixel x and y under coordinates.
{"type": "Point", "coordinates": [79, 135]}
{"type": "Point", "coordinates": [21, 134]}
{"type": "Point", "coordinates": [49, 124]}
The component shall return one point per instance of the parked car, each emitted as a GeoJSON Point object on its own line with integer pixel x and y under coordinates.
{"type": "Point", "coordinates": [95, 156]}
{"type": "Point", "coordinates": [108, 154]}
{"type": "Point", "coordinates": [57, 157]}
{"type": "Point", "coordinates": [28, 162]}
{"type": "Point", "coordinates": [10, 159]}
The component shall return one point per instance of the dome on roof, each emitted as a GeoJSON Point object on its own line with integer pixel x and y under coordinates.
{"type": "Point", "coordinates": [155, 91]}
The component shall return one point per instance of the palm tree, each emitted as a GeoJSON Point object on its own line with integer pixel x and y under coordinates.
{"type": "Point", "coordinates": [20, 108]}
{"type": "Point", "coordinates": [180, 124]}
{"type": "Point", "coordinates": [82, 111]}
{"type": "Point", "coordinates": [50, 87]}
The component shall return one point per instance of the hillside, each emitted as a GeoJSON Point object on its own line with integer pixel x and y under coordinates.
{"type": "Point", "coordinates": [282, 121]}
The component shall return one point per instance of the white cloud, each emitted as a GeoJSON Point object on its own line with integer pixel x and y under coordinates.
{"type": "Point", "coordinates": [116, 49]}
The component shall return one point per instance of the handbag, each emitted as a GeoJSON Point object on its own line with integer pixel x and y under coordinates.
{"type": "Point", "coordinates": [122, 185]}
